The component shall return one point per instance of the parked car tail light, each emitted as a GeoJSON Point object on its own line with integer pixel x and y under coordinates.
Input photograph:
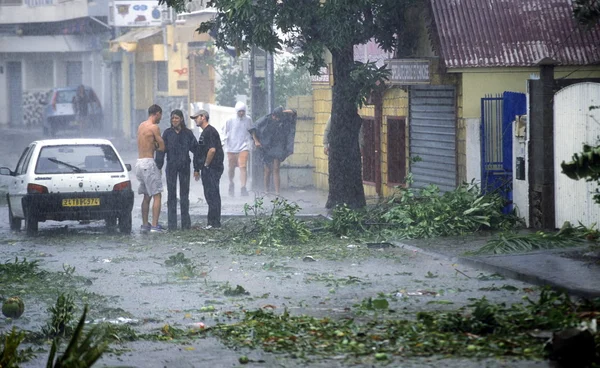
{"type": "Point", "coordinates": [126, 185]}
{"type": "Point", "coordinates": [36, 188]}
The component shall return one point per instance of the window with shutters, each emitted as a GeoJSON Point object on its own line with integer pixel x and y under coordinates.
{"type": "Point", "coordinates": [369, 154]}
{"type": "Point", "coordinates": [396, 150]}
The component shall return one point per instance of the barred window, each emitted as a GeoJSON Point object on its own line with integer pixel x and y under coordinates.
{"type": "Point", "coordinates": [369, 154]}
{"type": "Point", "coordinates": [396, 150]}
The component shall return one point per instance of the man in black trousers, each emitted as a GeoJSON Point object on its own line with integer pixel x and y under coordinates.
{"type": "Point", "coordinates": [210, 159]}
{"type": "Point", "coordinates": [179, 142]}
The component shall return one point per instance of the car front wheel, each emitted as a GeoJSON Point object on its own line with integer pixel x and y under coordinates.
{"type": "Point", "coordinates": [125, 223]}
{"type": "Point", "coordinates": [31, 224]}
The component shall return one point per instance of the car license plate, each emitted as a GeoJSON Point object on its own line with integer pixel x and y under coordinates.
{"type": "Point", "coordinates": [80, 202]}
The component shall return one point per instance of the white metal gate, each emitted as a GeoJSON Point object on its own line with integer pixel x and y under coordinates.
{"type": "Point", "coordinates": [574, 125]}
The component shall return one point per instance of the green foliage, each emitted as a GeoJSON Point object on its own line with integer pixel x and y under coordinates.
{"type": "Point", "coordinates": [278, 227]}
{"type": "Point", "coordinates": [177, 259]}
{"type": "Point", "coordinates": [290, 81]}
{"type": "Point", "coordinates": [585, 165]}
{"type": "Point", "coordinates": [237, 291]}
{"type": "Point", "coordinates": [82, 351]}
{"type": "Point", "coordinates": [426, 213]}
{"type": "Point", "coordinates": [587, 12]}
{"type": "Point", "coordinates": [568, 236]}
{"type": "Point", "coordinates": [62, 314]}
{"type": "Point", "coordinates": [233, 79]}
{"type": "Point", "coordinates": [367, 77]}
{"type": "Point", "coordinates": [481, 329]}
{"type": "Point", "coordinates": [553, 310]}
{"type": "Point", "coordinates": [9, 356]}
{"type": "Point", "coordinates": [347, 221]}
{"type": "Point", "coordinates": [19, 269]}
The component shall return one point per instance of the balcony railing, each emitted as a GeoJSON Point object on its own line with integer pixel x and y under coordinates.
{"type": "Point", "coordinates": [11, 2]}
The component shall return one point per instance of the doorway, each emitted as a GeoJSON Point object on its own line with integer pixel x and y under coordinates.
{"type": "Point", "coordinates": [15, 92]}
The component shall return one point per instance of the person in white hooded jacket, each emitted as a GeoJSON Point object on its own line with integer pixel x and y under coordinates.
{"type": "Point", "coordinates": [237, 144]}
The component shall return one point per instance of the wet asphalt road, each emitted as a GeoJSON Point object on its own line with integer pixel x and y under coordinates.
{"type": "Point", "coordinates": [131, 271]}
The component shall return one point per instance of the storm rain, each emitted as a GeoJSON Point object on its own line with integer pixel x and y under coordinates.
{"type": "Point", "coordinates": [278, 183]}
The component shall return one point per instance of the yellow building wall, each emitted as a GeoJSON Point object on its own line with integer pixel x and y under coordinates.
{"type": "Point", "coordinates": [321, 111]}
{"type": "Point", "coordinates": [126, 72]}
{"type": "Point", "coordinates": [304, 140]}
{"type": "Point", "coordinates": [395, 104]}
{"type": "Point", "coordinates": [144, 75]}
{"type": "Point", "coordinates": [478, 82]}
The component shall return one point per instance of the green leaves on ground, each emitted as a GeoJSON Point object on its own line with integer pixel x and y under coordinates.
{"type": "Point", "coordinates": [277, 227]}
{"type": "Point", "coordinates": [82, 351]}
{"type": "Point", "coordinates": [9, 355]}
{"type": "Point", "coordinates": [427, 213]}
{"type": "Point", "coordinates": [482, 329]}
{"type": "Point", "coordinates": [568, 236]}
{"type": "Point", "coordinates": [62, 313]}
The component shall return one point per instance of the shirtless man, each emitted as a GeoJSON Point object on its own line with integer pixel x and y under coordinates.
{"type": "Point", "coordinates": [146, 171]}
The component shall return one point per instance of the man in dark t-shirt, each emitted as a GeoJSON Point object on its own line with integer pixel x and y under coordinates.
{"type": "Point", "coordinates": [210, 159]}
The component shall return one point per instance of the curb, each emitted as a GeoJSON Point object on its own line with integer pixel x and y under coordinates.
{"type": "Point", "coordinates": [506, 272]}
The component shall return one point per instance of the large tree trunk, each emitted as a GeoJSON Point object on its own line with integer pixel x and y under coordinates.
{"type": "Point", "coordinates": [345, 166]}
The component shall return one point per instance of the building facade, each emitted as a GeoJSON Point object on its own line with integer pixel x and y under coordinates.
{"type": "Point", "coordinates": [47, 44]}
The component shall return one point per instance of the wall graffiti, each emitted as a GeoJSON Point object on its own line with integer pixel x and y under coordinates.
{"type": "Point", "coordinates": [33, 111]}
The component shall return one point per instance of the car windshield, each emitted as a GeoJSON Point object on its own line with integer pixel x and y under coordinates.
{"type": "Point", "coordinates": [65, 96]}
{"type": "Point", "coordinates": [78, 158]}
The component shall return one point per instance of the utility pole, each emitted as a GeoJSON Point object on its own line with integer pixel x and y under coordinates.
{"type": "Point", "coordinates": [270, 83]}
{"type": "Point", "coordinates": [258, 76]}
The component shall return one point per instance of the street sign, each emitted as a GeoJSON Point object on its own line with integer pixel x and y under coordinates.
{"type": "Point", "coordinates": [408, 71]}
{"type": "Point", "coordinates": [136, 13]}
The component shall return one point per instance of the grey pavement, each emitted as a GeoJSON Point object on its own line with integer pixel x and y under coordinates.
{"type": "Point", "coordinates": [574, 270]}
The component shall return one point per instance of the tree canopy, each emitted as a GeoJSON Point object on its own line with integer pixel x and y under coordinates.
{"type": "Point", "coordinates": [587, 12]}
{"type": "Point", "coordinates": [309, 27]}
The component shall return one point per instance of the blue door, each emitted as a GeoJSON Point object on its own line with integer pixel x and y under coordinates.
{"type": "Point", "coordinates": [497, 116]}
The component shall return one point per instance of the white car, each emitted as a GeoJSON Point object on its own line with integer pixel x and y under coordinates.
{"type": "Point", "coordinates": [69, 179]}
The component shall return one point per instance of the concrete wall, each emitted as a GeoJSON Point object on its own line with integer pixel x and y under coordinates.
{"type": "Point", "coordinates": [472, 128]}
{"type": "Point", "coordinates": [520, 187]}
{"type": "Point", "coordinates": [297, 170]}
{"type": "Point", "coordinates": [322, 111]}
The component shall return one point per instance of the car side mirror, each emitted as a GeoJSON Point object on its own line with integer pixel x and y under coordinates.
{"type": "Point", "coordinates": [128, 167]}
{"type": "Point", "coordinates": [6, 171]}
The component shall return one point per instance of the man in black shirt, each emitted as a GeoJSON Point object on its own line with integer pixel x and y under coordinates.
{"type": "Point", "coordinates": [179, 142]}
{"type": "Point", "coordinates": [210, 158]}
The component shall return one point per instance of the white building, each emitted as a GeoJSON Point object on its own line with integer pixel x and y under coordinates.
{"type": "Point", "coordinates": [46, 44]}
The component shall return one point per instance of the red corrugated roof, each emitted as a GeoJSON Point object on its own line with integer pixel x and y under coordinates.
{"type": "Point", "coordinates": [485, 33]}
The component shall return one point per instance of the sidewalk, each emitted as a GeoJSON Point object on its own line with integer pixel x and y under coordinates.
{"type": "Point", "coordinates": [575, 270]}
